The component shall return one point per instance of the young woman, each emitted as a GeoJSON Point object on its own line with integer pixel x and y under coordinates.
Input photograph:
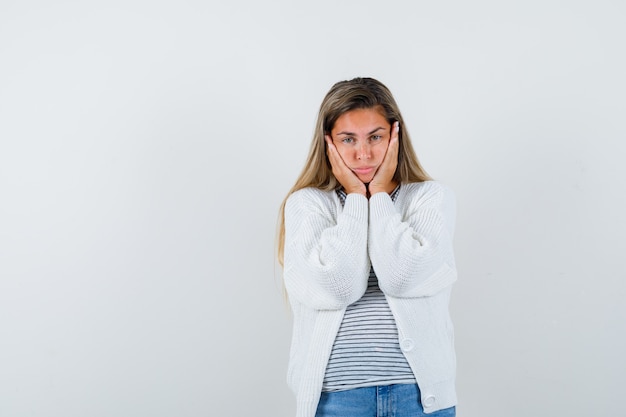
{"type": "Point", "coordinates": [365, 240]}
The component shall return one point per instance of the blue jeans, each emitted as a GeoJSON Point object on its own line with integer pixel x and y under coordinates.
{"type": "Point", "coordinates": [402, 400]}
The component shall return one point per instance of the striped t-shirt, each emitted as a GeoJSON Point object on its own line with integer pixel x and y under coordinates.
{"type": "Point", "coordinates": [366, 351]}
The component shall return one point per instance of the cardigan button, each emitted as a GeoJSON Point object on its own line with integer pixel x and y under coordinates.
{"type": "Point", "coordinates": [407, 345]}
{"type": "Point", "coordinates": [429, 401]}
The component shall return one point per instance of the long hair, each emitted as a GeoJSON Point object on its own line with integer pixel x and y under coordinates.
{"type": "Point", "coordinates": [358, 93]}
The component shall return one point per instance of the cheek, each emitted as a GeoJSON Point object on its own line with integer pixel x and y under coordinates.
{"type": "Point", "coordinates": [344, 152]}
{"type": "Point", "coordinates": [378, 152]}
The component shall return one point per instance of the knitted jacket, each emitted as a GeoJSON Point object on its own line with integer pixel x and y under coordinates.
{"type": "Point", "coordinates": [327, 258]}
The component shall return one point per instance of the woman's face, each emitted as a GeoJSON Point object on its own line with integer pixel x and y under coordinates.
{"type": "Point", "coordinates": [361, 137]}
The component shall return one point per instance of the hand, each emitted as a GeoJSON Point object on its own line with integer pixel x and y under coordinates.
{"type": "Point", "coordinates": [383, 179]}
{"type": "Point", "coordinates": [348, 179]}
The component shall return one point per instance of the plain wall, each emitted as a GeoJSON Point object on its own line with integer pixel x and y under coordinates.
{"type": "Point", "coordinates": [145, 148]}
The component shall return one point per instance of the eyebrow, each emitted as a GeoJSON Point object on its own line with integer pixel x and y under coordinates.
{"type": "Point", "coordinates": [354, 134]}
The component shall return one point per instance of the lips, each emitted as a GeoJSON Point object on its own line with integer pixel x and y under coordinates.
{"type": "Point", "coordinates": [363, 170]}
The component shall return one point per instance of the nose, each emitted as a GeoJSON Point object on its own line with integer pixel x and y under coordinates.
{"type": "Point", "coordinates": [363, 152]}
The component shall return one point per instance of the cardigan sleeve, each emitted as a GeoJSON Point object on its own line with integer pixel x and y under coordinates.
{"type": "Point", "coordinates": [410, 246]}
{"type": "Point", "coordinates": [326, 265]}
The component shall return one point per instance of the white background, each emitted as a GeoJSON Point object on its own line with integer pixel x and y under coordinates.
{"type": "Point", "coordinates": [145, 147]}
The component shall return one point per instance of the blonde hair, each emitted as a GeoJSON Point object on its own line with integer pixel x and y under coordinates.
{"type": "Point", "coordinates": [344, 96]}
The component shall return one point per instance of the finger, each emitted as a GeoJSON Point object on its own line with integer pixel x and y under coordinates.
{"type": "Point", "coordinates": [338, 166]}
{"type": "Point", "coordinates": [333, 154]}
{"type": "Point", "coordinates": [395, 132]}
{"type": "Point", "coordinates": [390, 160]}
{"type": "Point", "coordinates": [328, 143]}
{"type": "Point", "coordinates": [331, 151]}
{"type": "Point", "coordinates": [393, 143]}
{"type": "Point", "coordinates": [392, 147]}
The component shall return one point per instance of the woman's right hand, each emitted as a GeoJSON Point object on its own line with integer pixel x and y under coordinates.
{"type": "Point", "coordinates": [348, 179]}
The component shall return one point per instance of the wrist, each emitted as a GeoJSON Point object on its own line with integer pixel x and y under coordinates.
{"type": "Point", "coordinates": [355, 191]}
{"type": "Point", "coordinates": [387, 188]}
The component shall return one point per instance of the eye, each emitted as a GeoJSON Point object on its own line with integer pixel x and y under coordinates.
{"type": "Point", "coordinates": [376, 138]}
{"type": "Point", "coordinates": [347, 140]}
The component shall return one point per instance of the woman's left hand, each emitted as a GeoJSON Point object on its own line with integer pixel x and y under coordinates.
{"type": "Point", "coordinates": [383, 179]}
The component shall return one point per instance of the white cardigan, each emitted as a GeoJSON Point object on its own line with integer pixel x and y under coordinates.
{"type": "Point", "coordinates": [328, 250]}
